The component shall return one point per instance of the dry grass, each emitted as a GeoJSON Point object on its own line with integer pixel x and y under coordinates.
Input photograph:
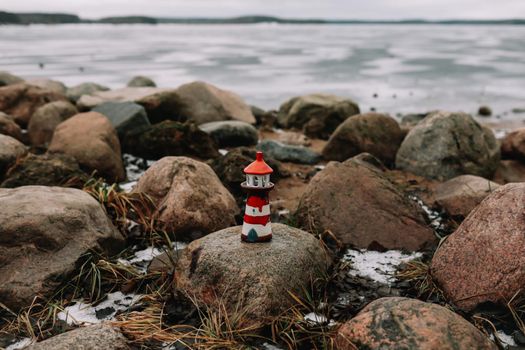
{"type": "Point", "coordinates": [418, 274]}
{"type": "Point", "coordinates": [38, 321]}
{"type": "Point", "coordinates": [122, 206]}
{"type": "Point", "coordinates": [218, 329]}
{"type": "Point", "coordinates": [295, 332]}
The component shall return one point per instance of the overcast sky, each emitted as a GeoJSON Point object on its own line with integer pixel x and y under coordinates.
{"type": "Point", "coordinates": [350, 9]}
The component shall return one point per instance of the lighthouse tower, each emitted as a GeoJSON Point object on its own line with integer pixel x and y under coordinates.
{"type": "Point", "coordinates": [256, 226]}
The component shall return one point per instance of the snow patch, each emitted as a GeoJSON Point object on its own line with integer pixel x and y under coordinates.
{"type": "Point", "coordinates": [379, 267]}
{"type": "Point", "coordinates": [22, 343]}
{"type": "Point", "coordinates": [81, 313]}
{"type": "Point", "coordinates": [436, 221]}
{"type": "Point", "coordinates": [504, 338]}
{"type": "Point", "coordinates": [223, 152]}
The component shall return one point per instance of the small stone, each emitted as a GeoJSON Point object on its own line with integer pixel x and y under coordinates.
{"type": "Point", "coordinates": [9, 79]}
{"type": "Point", "coordinates": [9, 127]}
{"type": "Point", "coordinates": [141, 81]}
{"type": "Point", "coordinates": [10, 150]}
{"type": "Point", "coordinates": [485, 111]}
{"type": "Point", "coordinates": [45, 119]}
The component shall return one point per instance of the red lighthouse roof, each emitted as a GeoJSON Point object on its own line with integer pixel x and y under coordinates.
{"type": "Point", "coordinates": [259, 167]}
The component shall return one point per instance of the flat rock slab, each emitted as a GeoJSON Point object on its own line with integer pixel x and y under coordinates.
{"type": "Point", "coordinates": [220, 270]}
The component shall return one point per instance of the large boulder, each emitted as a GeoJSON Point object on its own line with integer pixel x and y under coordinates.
{"type": "Point", "coordinates": [169, 138]}
{"type": "Point", "coordinates": [46, 118]}
{"type": "Point", "coordinates": [363, 209]}
{"type": "Point", "coordinates": [445, 145]}
{"type": "Point", "coordinates": [7, 78]}
{"type": "Point", "coordinates": [10, 150]}
{"type": "Point", "coordinates": [318, 115]}
{"type": "Point", "coordinates": [75, 92]}
{"type": "Point", "coordinates": [458, 196]}
{"type": "Point", "coordinates": [231, 133]}
{"type": "Point", "coordinates": [203, 103]}
{"type": "Point", "coordinates": [253, 279]}
{"type": "Point", "coordinates": [402, 323]}
{"type": "Point", "coordinates": [484, 259]}
{"type": "Point", "coordinates": [100, 336]}
{"type": "Point", "coordinates": [45, 170]}
{"type": "Point", "coordinates": [513, 145]}
{"type": "Point", "coordinates": [9, 127]}
{"type": "Point", "coordinates": [22, 100]}
{"type": "Point", "coordinates": [374, 133]}
{"type": "Point", "coordinates": [189, 197]}
{"type": "Point", "coordinates": [45, 231]}
{"type": "Point", "coordinates": [125, 116]}
{"type": "Point", "coordinates": [288, 153]}
{"type": "Point", "coordinates": [141, 81]}
{"type": "Point", "coordinates": [93, 142]}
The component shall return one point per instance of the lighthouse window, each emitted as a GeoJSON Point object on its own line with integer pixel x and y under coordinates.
{"type": "Point", "coordinates": [255, 181]}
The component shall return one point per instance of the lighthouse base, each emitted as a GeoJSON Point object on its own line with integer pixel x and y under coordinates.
{"type": "Point", "coordinates": [261, 239]}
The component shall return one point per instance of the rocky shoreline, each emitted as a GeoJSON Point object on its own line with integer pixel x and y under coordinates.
{"type": "Point", "coordinates": [118, 227]}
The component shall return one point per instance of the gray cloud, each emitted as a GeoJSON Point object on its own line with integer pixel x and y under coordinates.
{"type": "Point", "coordinates": [358, 9]}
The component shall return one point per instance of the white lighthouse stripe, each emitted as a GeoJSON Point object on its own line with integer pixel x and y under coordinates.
{"type": "Point", "coordinates": [254, 211]}
{"type": "Point", "coordinates": [260, 229]}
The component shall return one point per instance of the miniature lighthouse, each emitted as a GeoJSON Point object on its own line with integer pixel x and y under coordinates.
{"type": "Point", "coordinates": [256, 226]}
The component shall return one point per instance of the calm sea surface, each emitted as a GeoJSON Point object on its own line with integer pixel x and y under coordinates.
{"type": "Point", "coordinates": [410, 68]}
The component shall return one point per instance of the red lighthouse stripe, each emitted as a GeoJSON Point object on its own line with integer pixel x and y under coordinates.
{"type": "Point", "coordinates": [257, 220]}
{"type": "Point", "coordinates": [257, 202]}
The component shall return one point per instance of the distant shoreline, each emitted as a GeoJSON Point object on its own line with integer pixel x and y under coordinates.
{"type": "Point", "coordinates": [9, 18]}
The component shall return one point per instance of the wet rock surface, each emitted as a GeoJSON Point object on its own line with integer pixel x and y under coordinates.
{"type": "Point", "coordinates": [445, 145]}
{"type": "Point", "coordinates": [402, 323]}
{"type": "Point", "coordinates": [190, 199]}
{"type": "Point", "coordinates": [45, 119]}
{"type": "Point", "coordinates": [93, 142]}
{"type": "Point", "coordinates": [377, 134]}
{"type": "Point", "coordinates": [362, 208]}
{"type": "Point", "coordinates": [45, 231]}
{"type": "Point", "coordinates": [483, 260]}
{"type": "Point", "coordinates": [219, 269]}
{"type": "Point", "coordinates": [318, 115]}
{"type": "Point", "coordinates": [169, 138]}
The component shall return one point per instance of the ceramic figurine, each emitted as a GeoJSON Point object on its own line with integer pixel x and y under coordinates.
{"type": "Point", "coordinates": [257, 226]}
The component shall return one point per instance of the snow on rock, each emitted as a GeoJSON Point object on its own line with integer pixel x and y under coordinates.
{"type": "Point", "coordinates": [81, 313]}
{"type": "Point", "coordinates": [379, 267]}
